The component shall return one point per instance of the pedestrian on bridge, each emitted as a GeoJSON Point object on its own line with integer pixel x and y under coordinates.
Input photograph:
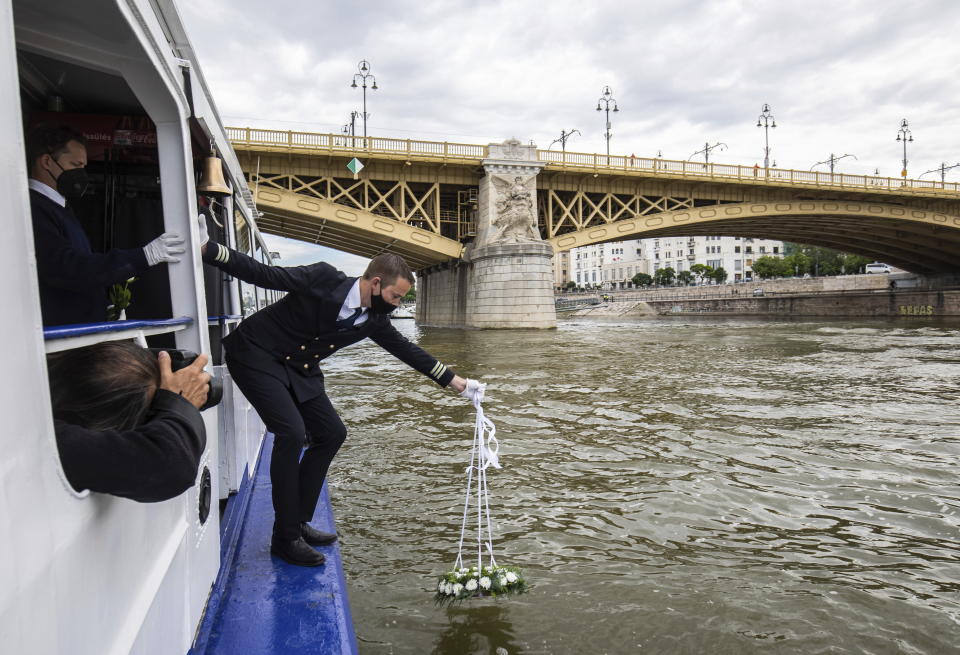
{"type": "Point", "coordinates": [274, 357]}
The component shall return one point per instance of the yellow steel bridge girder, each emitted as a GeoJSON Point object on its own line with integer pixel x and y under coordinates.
{"type": "Point", "coordinates": [915, 239]}
{"type": "Point", "coordinates": [327, 223]}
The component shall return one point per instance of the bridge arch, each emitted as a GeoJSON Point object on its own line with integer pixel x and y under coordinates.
{"type": "Point", "coordinates": [916, 240]}
{"type": "Point", "coordinates": [343, 227]}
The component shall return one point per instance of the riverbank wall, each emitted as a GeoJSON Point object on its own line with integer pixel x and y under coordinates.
{"type": "Point", "coordinates": [850, 304]}
{"type": "Point", "coordinates": [842, 296]}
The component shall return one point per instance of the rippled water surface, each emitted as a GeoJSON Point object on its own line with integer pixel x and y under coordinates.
{"type": "Point", "coordinates": [669, 486]}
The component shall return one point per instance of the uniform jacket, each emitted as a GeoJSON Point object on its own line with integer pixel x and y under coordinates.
{"type": "Point", "coordinates": [290, 338]}
{"type": "Point", "coordinates": [73, 278]}
{"type": "Point", "coordinates": [152, 462]}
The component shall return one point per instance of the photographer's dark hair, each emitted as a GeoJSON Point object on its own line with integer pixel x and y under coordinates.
{"type": "Point", "coordinates": [389, 268]}
{"type": "Point", "coordinates": [107, 386]}
{"type": "Point", "coordinates": [50, 139]}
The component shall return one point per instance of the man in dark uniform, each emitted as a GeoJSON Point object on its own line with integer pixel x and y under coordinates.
{"type": "Point", "coordinates": [73, 279]}
{"type": "Point", "coordinates": [274, 357]}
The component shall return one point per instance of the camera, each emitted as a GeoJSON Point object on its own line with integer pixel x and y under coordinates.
{"type": "Point", "coordinates": [181, 359]}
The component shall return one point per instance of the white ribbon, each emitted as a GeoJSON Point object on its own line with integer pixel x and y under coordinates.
{"type": "Point", "coordinates": [483, 454]}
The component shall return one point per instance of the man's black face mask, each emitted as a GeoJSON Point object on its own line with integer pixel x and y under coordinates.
{"type": "Point", "coordinates": [378, 305]}
{"type": "Point", "coordinates": [72, 183]}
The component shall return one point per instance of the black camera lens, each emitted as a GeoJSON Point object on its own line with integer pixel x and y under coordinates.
{"type": "Point", "coordinates": [214, 393]}
{"type": "Point", "coordinates": [181, 359]}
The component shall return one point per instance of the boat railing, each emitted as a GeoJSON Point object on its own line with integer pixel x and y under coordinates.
{"type": "Point", "coordinates": [66, 337]}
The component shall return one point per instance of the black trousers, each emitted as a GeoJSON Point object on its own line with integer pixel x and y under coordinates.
{"type": "Point", "coordinates": [296, 480]}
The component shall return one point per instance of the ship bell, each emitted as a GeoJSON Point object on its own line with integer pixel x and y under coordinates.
{"type": "Point", "coordinates": [211, 179]}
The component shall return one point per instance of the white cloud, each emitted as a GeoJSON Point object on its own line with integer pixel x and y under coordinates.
{"type": "Point", "coordinates": [839, 76]}
{"type": "Point", "coordinates": [298, 253]}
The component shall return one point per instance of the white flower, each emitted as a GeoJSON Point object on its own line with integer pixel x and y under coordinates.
{"type": "Point", "coordinates": [485, 582]}
{"type": "Point", "coordinates": [471, 585]}
{"type": "Point", "coordinates": [441, 586]}
{"type": "Point", "coordinates": [511, 577]}
{"type": "Point", "coordinates": [463, 570]}
{"type": "Point", "coordinates": [457, 588]}
{"type": "Point", "coordinates": [448, 590]}
{"type": "Point", "coordinates": [502, 581]}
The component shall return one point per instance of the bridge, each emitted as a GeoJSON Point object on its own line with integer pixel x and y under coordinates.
{"type": "Point", "coordinates": [432, 201]}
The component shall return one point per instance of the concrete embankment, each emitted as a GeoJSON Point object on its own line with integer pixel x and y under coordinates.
{"type": "Point", "coordinates": [612, 310]}
{"type": "Point", "coordinates": [843, 296]}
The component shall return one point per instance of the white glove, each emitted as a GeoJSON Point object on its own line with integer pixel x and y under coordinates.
{"type": "Point", "coordinates": [202, 228]}
{"type": "Point", "coordinates": [474, 390]}
{"type": "Point", "coordinates": [163, 248]}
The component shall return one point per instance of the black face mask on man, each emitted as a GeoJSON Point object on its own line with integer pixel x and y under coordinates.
{"type": "Point", "coordinates": [378, 305]}
{"type": "Point", "coordinates": [72, 183]}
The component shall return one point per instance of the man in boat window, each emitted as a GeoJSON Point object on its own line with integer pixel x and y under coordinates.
{"type": "Point", "coordinates": [73, 279]}
{"type": "Point", "coordinates": [125, 423]}
{"type": "Point", "coordinates": [274, 358]}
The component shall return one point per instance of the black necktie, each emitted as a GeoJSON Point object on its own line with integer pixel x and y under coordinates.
{"type": "Point", "coordinates": [348, 322]}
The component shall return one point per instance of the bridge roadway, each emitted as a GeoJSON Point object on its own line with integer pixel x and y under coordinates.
{"type": "Point", "coordinates": [420, 199]}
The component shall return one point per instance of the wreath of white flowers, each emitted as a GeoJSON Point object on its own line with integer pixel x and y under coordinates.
{"type": "Point", "coordinates": [464, 583]}
{"type": "Point", "coordinates": [461, 582]}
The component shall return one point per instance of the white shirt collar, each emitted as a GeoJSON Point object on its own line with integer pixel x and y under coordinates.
{"type": "Point", "coordinates": [49, 192]}
{"type": "Point", "coordinates": [351, 303]}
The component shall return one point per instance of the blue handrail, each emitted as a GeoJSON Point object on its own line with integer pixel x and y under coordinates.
{"type": "Point", "coordinates": [80, 329]}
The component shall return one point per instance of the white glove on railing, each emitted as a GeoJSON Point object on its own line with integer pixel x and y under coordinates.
{"type": "Point", "coordinates": [473, 391]}
{"type": "Point", "coordinates": [202, 225]}
{"type": "Point", "coordinates": [164, 248]}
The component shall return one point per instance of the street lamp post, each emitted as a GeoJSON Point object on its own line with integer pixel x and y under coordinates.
{"type": "Point", "coordinates": [942, 169]}
{"type": "Point", "coordinates": [904, 134]}
{"type": "Point", "coordinates": [350, 128]}
{"type": "Point", "coordinates": [363, 76]}
{"type": "Point", "coordinates": [766, 121]}
{"type": "Point", "coordinates": [832, 160]}
{"type": "Point", "coordinates": [564, 135]}
{"type": "Point", "coordinates": [607, 99]}
{"type": "Point", "coordinates": [707, 149]}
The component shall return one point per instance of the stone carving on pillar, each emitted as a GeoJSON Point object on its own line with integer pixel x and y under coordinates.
{"type": "Point", "coordinates": [512, 149]}
{"type": "Point", "coordinates": [507, 212]}
{"type": "Point", "coordinates": [516, 218]}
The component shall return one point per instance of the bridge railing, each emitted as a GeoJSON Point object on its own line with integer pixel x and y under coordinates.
{"type": "Point", "coordinates": [578, 160]}
{"type": "Point", "coordinates": [629, 163]}
{"type": "Point", "coordinates": [371, 144]}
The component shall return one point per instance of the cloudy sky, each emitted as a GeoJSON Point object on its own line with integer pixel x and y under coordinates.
{"type": "Point", "coordinates": [839, 76]}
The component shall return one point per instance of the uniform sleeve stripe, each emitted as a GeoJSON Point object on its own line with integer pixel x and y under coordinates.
{"type": "Point", "coordinates": [223, 255]}
{"type": "Point", "coordinates": [438, 370]}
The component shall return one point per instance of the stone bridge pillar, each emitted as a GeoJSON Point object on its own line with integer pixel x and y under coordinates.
{"type": "Point", "coordinates": [505, 279]}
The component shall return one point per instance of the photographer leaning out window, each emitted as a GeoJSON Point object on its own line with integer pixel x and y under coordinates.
{"type": "Point", "coordinates": [125, 423]}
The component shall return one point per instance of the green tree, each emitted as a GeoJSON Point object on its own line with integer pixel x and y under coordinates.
{"type": "Point", "coordinates": [719, 275]}
{"type": "Point", "coordinates": [767, 267]}
{"type": "Point", "coordinates": [685, 278]}
{"type": "Point", "coordinates": [411, 295]}
{"type": "Point", "coordinates": [854, 263]}
{"type": "Point", "coordinates": [642, 280]}
{"type": "Point", "coordinates": [798, 263]}
{"type": "Point", "coordinates": [702, 271]}
{"type": "Point", "coordinates": [824, 261]}
{"type": "Point", "coordinates": [571, 285]}
{"type": "Point", "coordinates": [664, 276]}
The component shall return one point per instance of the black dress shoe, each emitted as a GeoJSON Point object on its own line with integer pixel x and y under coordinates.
{"type": "Point", "coordinates": [314, 537]}
{"type": "Point", "coordinates": [296, 552]}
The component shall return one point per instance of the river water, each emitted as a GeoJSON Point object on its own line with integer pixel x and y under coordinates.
{"type": "Point", "coordinates": [669, 486]}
